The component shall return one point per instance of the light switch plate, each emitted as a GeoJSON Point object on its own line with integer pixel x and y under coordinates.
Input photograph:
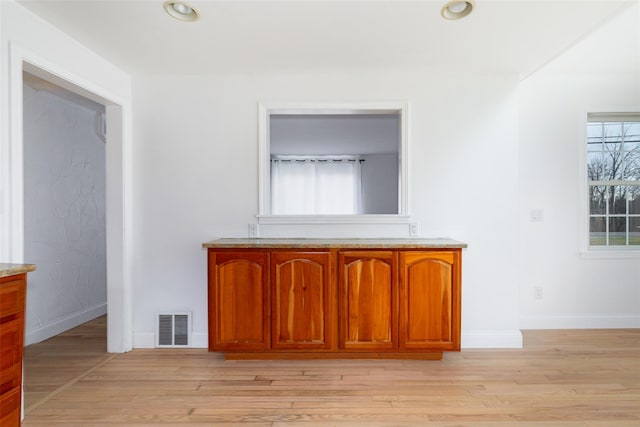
{"type": "Point", "coordinates": [414, 230]}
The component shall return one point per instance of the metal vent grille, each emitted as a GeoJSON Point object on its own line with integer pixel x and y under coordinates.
{"type": "Point", "coordinates": [173, 330]}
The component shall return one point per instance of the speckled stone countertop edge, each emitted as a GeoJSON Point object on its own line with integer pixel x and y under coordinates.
{"type": "Point", "coordinates": [271, 243]}
{"type": "Point", "coordinates": [7, 269]}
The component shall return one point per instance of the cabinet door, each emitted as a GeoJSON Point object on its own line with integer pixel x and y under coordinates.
{"type": "Point", "coordinates": [238, 300]}
{"type": "Point", "coordinates": [368, 299]}
{"type": "Point", "coordinates": [430, 300]}
{"type": "Point", "coordinates": [301, 310]}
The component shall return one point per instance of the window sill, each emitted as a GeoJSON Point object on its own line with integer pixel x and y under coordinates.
{"type": "Point", "coordinates": [611, 254]}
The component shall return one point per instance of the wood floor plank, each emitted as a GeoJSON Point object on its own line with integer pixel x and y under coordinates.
{"type": "Point", "coordinates": [561, 378]}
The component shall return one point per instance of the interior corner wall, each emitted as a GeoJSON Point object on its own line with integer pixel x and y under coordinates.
{"type": "Point", "coordinates": [599, 73]}
{"type": "Point", "coordinates": [64, 224]}
{"type": "Point", "coordinates": [196, 179]}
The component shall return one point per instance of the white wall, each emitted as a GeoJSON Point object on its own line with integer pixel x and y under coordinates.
{"type": "Point", "coordinates": [27, 39]}
{"type": "Point", "coordinates": [380, 177]}
{"type": "Point", "coordinates": [196, 180]}
{"type": "Point", "coordinates": [64, 205]}
{"type": "Point", "coordinates": [579, 290]}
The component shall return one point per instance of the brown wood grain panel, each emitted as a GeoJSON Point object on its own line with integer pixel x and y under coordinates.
{"type": "Point", "coordinates": [368, 298]}
{"type": "Point", "coordinates": [12, 307]}
{"type": "Point", "coordinates": [12, 295]}
{"type": "Point", "coordinates": [239, 298]}
{"type": "Point", "coordinates": [11, 343]}
{"type": "Point", "coordinates": [301, 283]}
{"type": "Point", "coordinates": [10, 408]}
{"type": "Point", "coordinates": [429, 282]}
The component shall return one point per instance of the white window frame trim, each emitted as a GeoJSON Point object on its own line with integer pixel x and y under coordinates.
{"type": "Point", "coordinates": [265, 109]}
{"type": "Point", "coordinates": [586, 250]}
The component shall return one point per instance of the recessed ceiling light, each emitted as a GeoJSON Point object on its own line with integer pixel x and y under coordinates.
{"type": "Point", "coordinates": [456, 9]}
{"type": "Point", "coordinates": [181, 10]}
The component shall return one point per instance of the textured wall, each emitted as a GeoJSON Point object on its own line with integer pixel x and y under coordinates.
{"type": "Point", "coordinates": [64, 163]}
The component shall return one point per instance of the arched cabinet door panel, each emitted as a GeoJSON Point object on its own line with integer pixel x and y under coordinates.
{"type": "Point", "coordinates": [238, 301]}
{"type": "Point", "coordinates": [429, 300]}
{"type": "Point", "coordinates": [301, 306]}
{"type": "Point", "coordinates": [368, 299]}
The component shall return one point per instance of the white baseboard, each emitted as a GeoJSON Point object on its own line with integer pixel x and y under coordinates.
{"type": "Point", "coordinates": [144, 340]}
{"type": "Point", "coordinates": [199, 340]}
{"type": "Point", "coordinates": [492, 339]}
{"type": "Point", "coordinates": [61, 325]}
{"type": "Point", "coordinates": [591, 321]}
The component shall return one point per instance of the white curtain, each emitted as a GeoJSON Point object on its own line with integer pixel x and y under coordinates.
{"type": "Point", "coordinates": [313, 186]}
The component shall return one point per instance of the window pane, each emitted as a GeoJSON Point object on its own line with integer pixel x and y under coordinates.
{"type": "Point", "coordinates": [629, 146]}
{"type": "Point", "coordinates": [597, 231]}
{"type": "Point", "coordinates": [617, 231]}
{"type": "Point", "coordinates": [594, 144]}
{"type": "Point", "coordinates": [612, 148]}
{"type": "Point", "coordinates": [597, 200]}
{"type": "Point", "coordinates": [631, 131]}
{"type": "Point", "coordinates": [618, 200]}
{"type": "Point", "coordinates": [632, 164]}
{"type": "Point", "coordinates": [612, 164]}
{"type": "Point", "coordinates": [634, 203]}
{"type": "Point", "coordinates": [634, 231]}
{"type": "Point", "coordinates": [595, 166]}
{"type": "Point", "coordinates": [594, 131]}
{"type": "Point", "coordinates": [612, 132]}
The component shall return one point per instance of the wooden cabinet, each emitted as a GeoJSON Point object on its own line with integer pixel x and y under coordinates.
{"type": "Point", "coordinates": [330, 300]}
{"type": "Point", "coordinates": [239, 300]}
{"type": "Point", "coordinates": [301, 289]}
{"type": "Point", "coordinates": [368, 300]}
{"type": "Point", "coordinates": [430, 300]}
{"type": "Point", "coordinates": [12, 307]}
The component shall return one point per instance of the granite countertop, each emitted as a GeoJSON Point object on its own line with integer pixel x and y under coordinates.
{"type": "Point", "coordinates": [335, 243]}
{"type": "Point", "coordinates": [13, 269]}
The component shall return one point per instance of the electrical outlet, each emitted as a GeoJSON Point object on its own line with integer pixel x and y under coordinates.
{"type": "Point", "coordinates": [413, 229]}
{"type": "Point", "coordinates": [253, 231]}
{"type": "Point", "coordinates": [538, 292]}
{"type": "Point", "coordinates": [536, 215]}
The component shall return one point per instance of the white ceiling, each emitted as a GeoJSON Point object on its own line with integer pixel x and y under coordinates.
{"type": "Point", "coordinates": [306, 35]}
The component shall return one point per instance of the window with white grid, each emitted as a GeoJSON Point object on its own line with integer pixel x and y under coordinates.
{"type": "Point", "coordinates": [613, 169]}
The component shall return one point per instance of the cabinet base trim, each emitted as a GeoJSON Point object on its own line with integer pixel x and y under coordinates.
{"type": "Point", "coordinates": [435, 355]}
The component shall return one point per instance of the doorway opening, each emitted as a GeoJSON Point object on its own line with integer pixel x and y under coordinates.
{"type": "Point", "coordinates": [117, 215]}
{"type": "Point", "coordinates": [64, 208]}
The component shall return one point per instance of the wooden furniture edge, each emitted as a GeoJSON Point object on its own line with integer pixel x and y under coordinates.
{"type": "Point", "coordinates": [278, 355]}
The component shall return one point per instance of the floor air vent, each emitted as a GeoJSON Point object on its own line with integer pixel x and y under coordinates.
{"type": "Point", "coordinates": [173, 330]}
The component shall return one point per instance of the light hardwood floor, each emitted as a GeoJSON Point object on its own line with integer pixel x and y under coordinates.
{"type": "Point", "coordinates": [561, 378]}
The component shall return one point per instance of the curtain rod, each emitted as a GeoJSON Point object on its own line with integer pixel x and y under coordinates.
{"type": "Point", "coordinates": [303, 158]}
{"type": "Point", "coordinates": [317, 160]}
